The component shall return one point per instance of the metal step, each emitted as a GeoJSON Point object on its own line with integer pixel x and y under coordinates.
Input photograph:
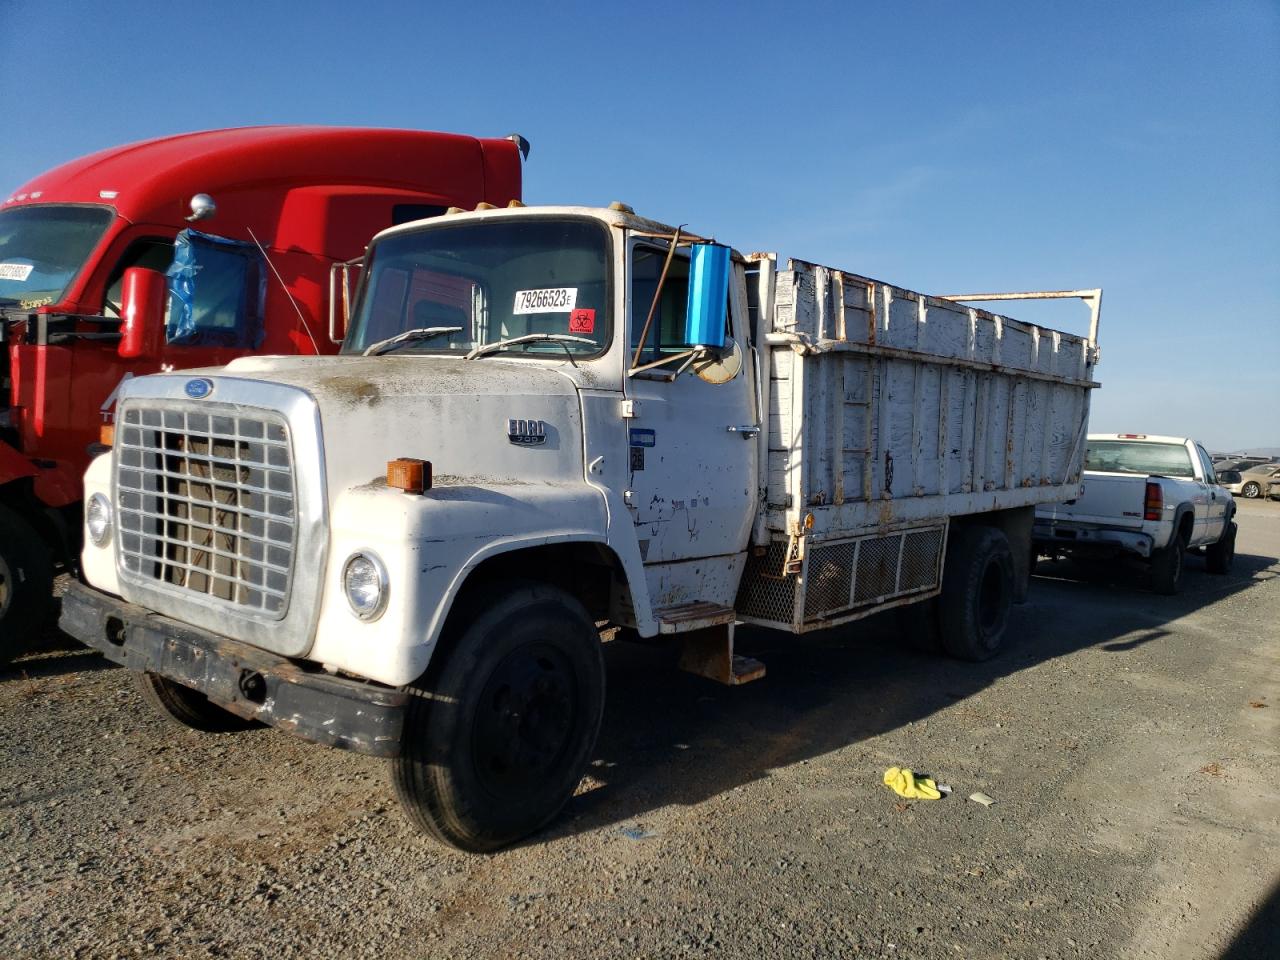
{"type": "Point", "coordinates": [697, 615]}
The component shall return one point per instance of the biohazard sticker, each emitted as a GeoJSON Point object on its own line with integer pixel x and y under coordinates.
{"type": "Point", "coordinates": [582, 321]}
{"type": "Point", "coordinates": [546, 300]}
{"type": "Point", "coordinates": [15, 271]}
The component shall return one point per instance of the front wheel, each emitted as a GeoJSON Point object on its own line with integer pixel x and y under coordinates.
{"type": "Point", "coordinates": [187, 707]}
{"type": "Point", "coordinates": [500, 730]}
{"type": "Point", "coordinates": [26, 584]}
{"type": "Point", "coordinates": [1251, 490]}
{"type": "Point", "coordinates": [977, 593]}
{"type": "Point", "coordinates": [1220, 556]}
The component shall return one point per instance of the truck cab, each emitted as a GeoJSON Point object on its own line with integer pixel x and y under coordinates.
{"type": "Point", "coordinates": [181, 252]}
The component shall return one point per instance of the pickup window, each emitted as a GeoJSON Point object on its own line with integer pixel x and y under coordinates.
{"type": "Point", "coordinates": [1139, 457]}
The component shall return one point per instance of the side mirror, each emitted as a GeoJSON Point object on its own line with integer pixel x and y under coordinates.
{"type": "Point", "coordinates": [708, 295]}
{"type": "Point", "coordinates": [142, 298]}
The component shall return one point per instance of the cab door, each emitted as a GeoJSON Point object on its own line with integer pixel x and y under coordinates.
{"type": "Point", "coordinates": [691, 439]}
{"type": "Point", "coordinates": [1218, 500]}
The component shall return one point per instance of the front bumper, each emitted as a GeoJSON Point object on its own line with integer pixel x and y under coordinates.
{"type": "Point", "coordinates": [1067, 538]}
{"type": "Point", "coordinates": [338, 711]}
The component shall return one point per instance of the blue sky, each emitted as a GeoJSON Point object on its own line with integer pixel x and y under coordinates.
{"type": "Point", "coordinates": [938, 146]}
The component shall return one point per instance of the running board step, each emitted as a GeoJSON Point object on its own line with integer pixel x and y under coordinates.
{"type": "Point", "coordinates": [698, 615]}
{"type": "Point", "coordinates": [709, 653]}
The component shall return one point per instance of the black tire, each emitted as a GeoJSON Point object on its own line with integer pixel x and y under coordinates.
{"type": "Point", "coordinates": [977, 593]}
{"type": "Point", "coordinates": [1166, 567]}
{"type": "Point", "coordinates": [1251, 490]}
{"type": "Point", "coordinates": [504, 722]}
{"type": "Point", "coordinates": [919, 627]}
{"type": "Point", "coordinates": [191, 708]}
{"type": "Point", "coordinates": [26, 584]}
{"type": "Point", "coordinates": [1221, 556]}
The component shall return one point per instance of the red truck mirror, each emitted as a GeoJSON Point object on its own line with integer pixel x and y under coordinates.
{"type": "Point", "coordinates": [142, 307]}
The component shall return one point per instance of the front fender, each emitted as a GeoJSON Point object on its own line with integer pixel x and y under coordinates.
{"type": "Point", "coordinates": [13, 465]}
{"type": "Point", "coordinates": [429, 544]}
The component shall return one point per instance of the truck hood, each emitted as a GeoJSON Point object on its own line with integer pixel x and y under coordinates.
{"type": "Point", "coordinates": [452, 412]}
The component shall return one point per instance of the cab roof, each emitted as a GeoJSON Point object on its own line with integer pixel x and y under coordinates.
{"type": "Point", "coordinates": [155, 179]}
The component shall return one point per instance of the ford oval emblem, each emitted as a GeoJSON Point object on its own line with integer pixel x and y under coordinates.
{"type": "Point", "coordinates": [199, 389]}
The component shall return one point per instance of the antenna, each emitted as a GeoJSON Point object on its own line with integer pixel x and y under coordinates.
{"type": "Point", "coordinates": [301, 319]}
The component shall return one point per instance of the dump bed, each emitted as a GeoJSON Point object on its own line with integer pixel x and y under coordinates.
{"type": "Point", "coordinates": [890, 412]}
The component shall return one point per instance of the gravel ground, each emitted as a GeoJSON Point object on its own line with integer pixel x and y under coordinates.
{"type": "Point", "coordinates": [1130, 741]}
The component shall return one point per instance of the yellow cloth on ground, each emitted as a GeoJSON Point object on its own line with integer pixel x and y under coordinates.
{"type": "Point", "coordinates": [905, 784]}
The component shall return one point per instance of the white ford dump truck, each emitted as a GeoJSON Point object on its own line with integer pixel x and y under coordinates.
{"type": "Point", "coordinates": [545, 421]}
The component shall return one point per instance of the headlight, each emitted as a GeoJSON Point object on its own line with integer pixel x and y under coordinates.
{"type": "Point", "coordinates": [97, 518]}
{"type": "Point", "coordinates": [364, 581]}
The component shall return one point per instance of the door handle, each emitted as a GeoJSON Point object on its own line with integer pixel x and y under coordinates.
{"type": "Point", "coordinates": [747, 431]}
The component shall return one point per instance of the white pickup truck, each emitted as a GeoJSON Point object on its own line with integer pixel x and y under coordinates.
{"type": "Point", "coordinates": [1146, 496]}
{"type": "Point", "coordinates": [545, 421]}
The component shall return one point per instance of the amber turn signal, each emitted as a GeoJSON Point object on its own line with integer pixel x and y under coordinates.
{"type": "Point", "coordinates": [409, 475]}
{"type": "Point", "coordinates": [107, 434]}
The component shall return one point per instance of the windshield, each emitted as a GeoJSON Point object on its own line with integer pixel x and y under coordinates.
{"type": "Point", "coordinates": [43, 248]}
{"type": "Point", "coordinates": [1130, 456]}
{"type": "Point", "coordinates": [493, 280]}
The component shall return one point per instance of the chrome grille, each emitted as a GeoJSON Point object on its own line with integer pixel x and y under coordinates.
{"type": "Point", "coordinates": [207, 503]}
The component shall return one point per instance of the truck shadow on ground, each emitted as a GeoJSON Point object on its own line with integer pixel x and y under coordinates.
{"type": "Point", "coordinates": [672, 738]}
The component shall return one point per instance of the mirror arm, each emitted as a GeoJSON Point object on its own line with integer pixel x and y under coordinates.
{"type": "Point", "coordinates": [653, 307]}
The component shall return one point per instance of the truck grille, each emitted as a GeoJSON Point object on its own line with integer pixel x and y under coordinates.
{"type": "Point", "coordinates": [207, 503]}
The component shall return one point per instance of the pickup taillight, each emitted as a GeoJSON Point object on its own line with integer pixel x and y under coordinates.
{"type": "Point", "coordinates": [1155, 502]}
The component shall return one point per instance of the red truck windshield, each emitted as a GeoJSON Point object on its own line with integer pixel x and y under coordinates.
{"type": "Point", "coordinates": [42, 248]}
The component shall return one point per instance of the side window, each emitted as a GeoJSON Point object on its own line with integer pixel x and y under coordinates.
{"type": "Point", "coordinates": [666, 330]}
{"type": "Point", "coordinates": [1207, 465]}
{"type": "Point", "coordinates": [408, 212]}
{"type": "Point", "coordinates": [217, 292]}
{"type": "Point", "coordinates": [153, 253]}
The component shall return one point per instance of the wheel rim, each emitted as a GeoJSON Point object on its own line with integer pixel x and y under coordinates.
{"type": "Point", "coordinates": [992, 608]}
{"type": "Point", "coordinates": [524, 723]}
{"type": "Point", "coordinates": [1250, 490]}
{"type": "Point", "coordinates": [6, 588]}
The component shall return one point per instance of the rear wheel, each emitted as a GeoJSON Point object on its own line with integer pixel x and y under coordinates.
{"type": "Point", "coordinates": [1251, 490]}
{"type": "Point", "coordinates": [918, 626]}
{"type": "Point", "coordinates": [1166, 567]}
{"type": "Point", "coordinates": [1221, 556]}
{"type": "Point", "coordinates": [977, 593]}
{"type": "Point", "coordinates": [500, 730]}
{"type": "Point", "coordinates": [26, 584]}
{"type": "Point", "coordinates": [191, 708]}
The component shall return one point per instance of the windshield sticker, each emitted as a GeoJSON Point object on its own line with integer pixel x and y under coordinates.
{"type": "Point", "coordinates": [547, 300]}
{"type": "Point", "coordinates": [15, 271]}
{"type": "Point", "coordinates": [582, 321]}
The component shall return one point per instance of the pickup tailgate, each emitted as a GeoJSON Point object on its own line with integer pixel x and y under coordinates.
{"type": "Point", "coordinates": [1109, 500]}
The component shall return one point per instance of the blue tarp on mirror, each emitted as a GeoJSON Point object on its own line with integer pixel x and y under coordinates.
{"type": "Point", "coordinates": [217, 292]}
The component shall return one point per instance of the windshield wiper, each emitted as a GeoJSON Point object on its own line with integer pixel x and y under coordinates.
{"type": "Point", "coordinates": [564, 339]}
{"type": "Point", "coordinates": [418, 333]}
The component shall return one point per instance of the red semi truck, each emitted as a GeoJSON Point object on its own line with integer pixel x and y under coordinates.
{"type": "Point", "coordinates": [185, 251]}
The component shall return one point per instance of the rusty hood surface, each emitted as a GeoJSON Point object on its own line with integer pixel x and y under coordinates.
{"type": "Point", "coordinates": [453, 412]}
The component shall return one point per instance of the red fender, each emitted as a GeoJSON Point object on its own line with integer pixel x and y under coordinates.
{"type": "Point", "coordinates": [13, 465]}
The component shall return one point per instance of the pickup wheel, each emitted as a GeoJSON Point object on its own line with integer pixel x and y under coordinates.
{"type": "Point", "coordinates": [1166, 567]}
{"type": "Point", "coordinates": [26, 584]}
{"type": "Point", "coordinates": [1220, 556]}
{"type": "Point", "coordinates": [500, 730]}
{"type": "Point", "coordinates": [977, 593]}
{"type": "Point", "coordinates": [191, 708]}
